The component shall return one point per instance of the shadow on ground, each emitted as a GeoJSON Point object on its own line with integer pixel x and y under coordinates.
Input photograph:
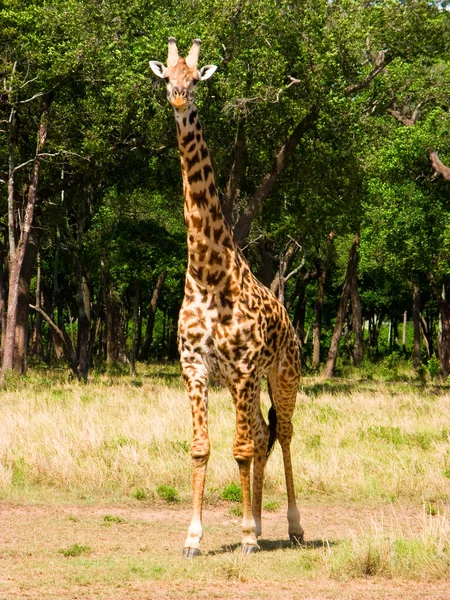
{"type": "Point", "coordinates": [272, 545]}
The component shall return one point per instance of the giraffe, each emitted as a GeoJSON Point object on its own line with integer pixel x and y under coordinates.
{"type": "Point", "coordinates": [231, 327]}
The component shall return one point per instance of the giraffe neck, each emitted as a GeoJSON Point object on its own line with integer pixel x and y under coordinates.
{"type": "Point", "coordinates": [212, 250]}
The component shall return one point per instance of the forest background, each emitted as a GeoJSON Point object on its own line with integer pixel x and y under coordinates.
{"type": "Point", "coordinates": [329, 130]}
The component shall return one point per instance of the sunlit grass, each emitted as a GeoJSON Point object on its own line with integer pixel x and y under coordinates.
{"type": "Point", "coordinates": [122, 440]}
{"type": "Point", "coordinates": [113, 439]}
{"type": "Point", "coordinates": [391, 551]}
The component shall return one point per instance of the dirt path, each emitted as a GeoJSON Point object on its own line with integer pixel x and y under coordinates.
{"type": "Point", "coordinates": [122, 553]}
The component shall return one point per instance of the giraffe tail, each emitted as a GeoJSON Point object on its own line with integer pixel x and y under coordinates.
{"type": "Point", "coordinates": [272, 416]}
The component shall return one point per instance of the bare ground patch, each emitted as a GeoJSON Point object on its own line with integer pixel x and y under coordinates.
{"type": "Point", "coordinates": [123, 552]}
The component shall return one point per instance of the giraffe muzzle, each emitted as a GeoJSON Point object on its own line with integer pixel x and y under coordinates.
{"type": "Point", "coordinates": [179, 97]}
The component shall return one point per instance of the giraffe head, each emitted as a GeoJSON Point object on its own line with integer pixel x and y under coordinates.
{"type": "Point", "coordinates": [181, 74]}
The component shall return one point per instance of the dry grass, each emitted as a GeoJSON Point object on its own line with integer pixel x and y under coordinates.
{"type": "Point", "coordinates": [371, 449]}
{"type": "Point", "coordinates": [392, 549]}
{"type": "Point", "coordinates": [120, 437]}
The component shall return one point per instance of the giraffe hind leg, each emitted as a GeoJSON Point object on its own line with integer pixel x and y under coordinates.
{"type": "Point", "coordinates": [283, 384]}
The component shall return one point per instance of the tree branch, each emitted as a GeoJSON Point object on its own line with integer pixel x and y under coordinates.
{"type": "Point", "coordinates": [439, 167]}
{"type": "Point", "coordinates": [66, 341]}
{"type": "Point", "coordinates": [232, 189]}
{"type": "Point", "coordinates": [381, 62]}
{"type": "Point", "coordinates": [50, 155]}
{"type": "Point", "coordinates": [278, 284]}
{"type": "Point", "coordinates": [38, 95]}
{"type": "Point", "coordinates": [27, 83]}
{"type": "Point", "coordinates": [408, 122]}
{"type": "Point", "coordinates": [243, 225]}
{"type": "Point", "coordinates": [295, 271]}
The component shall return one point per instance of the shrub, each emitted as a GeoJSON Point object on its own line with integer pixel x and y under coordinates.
{"type": "Point", "coordinates": [232, 493]}
{"type": "Point", "coordinates": [433, 367]}
{"type": "Point", "coordinates": [139, 494]}
{"type": "Point", "coordinates": [108, 519]}
{"type": "Point", "coordinates": [271, 506]}
{"type": "Point", "coordinates": [75, 550]}
{"type": "Point", "coordinates": [168, 493]}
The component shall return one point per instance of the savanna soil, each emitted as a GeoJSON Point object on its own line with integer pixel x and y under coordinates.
{"type": "Point", "coordinates": [128, 552]}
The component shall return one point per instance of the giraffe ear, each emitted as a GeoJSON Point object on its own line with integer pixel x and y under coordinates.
{"type": "Point", "coordinates": [158, 68]}
{"type": "Point", "coordinates": [207, 72]}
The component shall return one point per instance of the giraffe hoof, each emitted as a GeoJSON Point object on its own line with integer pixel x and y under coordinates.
{"type": "Point", "coordinates": [297, 539]}
{"type": "Point", "coordinates": [191, 552]}
{"type": "Point", "coordinates": [249, 549]}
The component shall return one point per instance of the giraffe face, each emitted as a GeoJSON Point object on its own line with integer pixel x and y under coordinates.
{"type": "Point", "coordinates": [181, 75]}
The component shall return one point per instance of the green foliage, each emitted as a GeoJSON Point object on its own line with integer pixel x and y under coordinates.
{"type": "Point", "coordinates": [168, 493]}
{"type": "Point", "coordinates": [232, 493]}
{"type": "Point", "coordinates": [271, 506]}
{"type": "Point", "coordinates": [113, 519]}
{"type": "Point", "coordinates": [74, 550]}
{"type": "Point", "coordinates": [433, 367]}
{"type": "Point", "coordinates": [110, 189]}
{"type": "Point", "coordinates": [139, 494]}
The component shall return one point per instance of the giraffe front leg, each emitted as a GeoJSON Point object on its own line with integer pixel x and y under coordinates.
{"type": "Point", "coordinates": [243, 452]}
{"type": "Point", "coordinates": [249, 541]}
{"type": "Point", "coordinates": [195, 531]}
{"type": "Point", "coordinates": [261, 438]}
{"type": "Point", "coordinates": [197, 389]}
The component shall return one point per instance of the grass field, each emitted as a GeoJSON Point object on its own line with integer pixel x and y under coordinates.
{"type": "Point", "coordinates": [95, 492]}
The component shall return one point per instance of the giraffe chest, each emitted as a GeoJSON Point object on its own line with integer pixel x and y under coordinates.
{"type": "Point", "coordinates": [228, 339]}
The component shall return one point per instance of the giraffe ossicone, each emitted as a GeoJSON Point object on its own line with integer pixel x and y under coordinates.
{"type": "Point", "coordinates": [230, 326]}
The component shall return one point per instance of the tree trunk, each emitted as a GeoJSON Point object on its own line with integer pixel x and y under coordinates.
{"type": "Point", "coordinates": [330, 365]}
{"type": "Point", "coordinates": [135, 324]}
{"type": "Point", "coordinates": [300, 312]}
{"type": "Point", "coordinates": [416, 324]}
{"type": "Point", "coordinates": [3, 303]}
{"type": "Point", "coordinates": [23, 310]}
{"type": "Point", "coordinates": [84, 325]}
{"type": "Point", "coordinates": [17, 253]}
{"type": "Point", "coordinates": [37, 347]}
{"type": "Point", "coordinates": [357, 323]}
{"type": "Point", "coordinates": [54, 300]}
{"type": "Point", "coordinates": [173, 332]}
{"type": "Point", "coordinates": [232, 191]}
{"type": "Point", "coordinates": [318, 310]}
{"type": "Point", "coordinates": [395, 333]}
{"type": "Point", "coordinates": [425, 334]}
{"type": "Point", "coordinates": [430, 327]}
{"type": "Point", "coordinates": [115, 329]}
{"type": "Point", "coordinates": [265, 263]}
{"type": "Point", "coordinates": [151, 315]}
{"type": "Point", "coordinates": [444, 337]}
{"type": "Point", "coordinates": [405, 321]}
